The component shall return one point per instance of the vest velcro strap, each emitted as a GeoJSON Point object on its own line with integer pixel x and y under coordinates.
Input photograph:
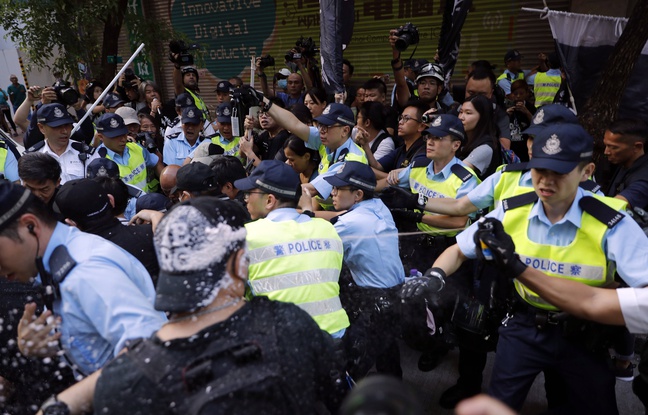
{"type": "Point", "coordinates": [296, 279]}
{"type": "Point", "coordinates": [590, 185]}
{"type": "Point", "coordinates": [318, 308]}
{"type": "Point", "coordinates": [599, 210]}
{"type": "Point", "coordinates": [461, 172]}
{"type": "Point", "coordinates": [515, 167]}
{"type": "Point", "coordinates": [519, 200]}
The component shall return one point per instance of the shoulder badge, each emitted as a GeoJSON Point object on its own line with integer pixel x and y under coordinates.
{"type": "Point", "coordinates": [599, 210]}
{"type": "Point", "coordinates": [61, 263]}
{"type": "Point", "coordinates": [461, 172]}
{"type": "Point", "coordinates": [342, 155]}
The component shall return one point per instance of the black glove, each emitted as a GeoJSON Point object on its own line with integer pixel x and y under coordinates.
{"type": "Point", "coordinates": [396, 197]}
{"type": "Point", "coordinates": [500, 246]}
{"type": "Point", "coordinates": [249, 96]}
{"type": "Point", "coordinates": [432, 282]}
{"type": "Point", "coordinates": [407, 215]}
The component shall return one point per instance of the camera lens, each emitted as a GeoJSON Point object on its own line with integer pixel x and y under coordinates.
{"type": "Point", "coordinates": [403, 42]}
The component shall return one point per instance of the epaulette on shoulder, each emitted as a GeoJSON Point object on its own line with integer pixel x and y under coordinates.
{"type": "Point", "coordinates": [602, 212]}
{"type": "Point", "coordinates": [519, 200]}
{"type": "Point", "coordinates": [461, 172]}
{"type": "Point", "coordinates": [514, 167]}
{"type": "Point", "coordinates": [173, 136]}
{"type": "Point", "coordinates": [590, 186]}
{"type": "Point", "coordinates": [61, 263]}
{"type": "Point", "coordinates": [36, 147]}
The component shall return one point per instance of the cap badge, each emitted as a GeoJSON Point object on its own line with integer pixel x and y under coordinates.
{"type": "Point", "coordinates": [114, 123]}
{"type": "Point", "coordinates": [539, 117]}
{"type": "Point", "coordinates": [58, 113]}
{"type": "Point", "coordinates": [341, 169]}
{"type": "Point", "coordinates": [436, 122]}
{"type": "Point", "coordinates": [102, 172]}
{"type": "Point", "coordinates": [226, 112]}
{"type": "Point", "coordinates": [327, 110]}
{"type": "Point", "coordinates": [188, 101]}
{"type": "Point", "coordinates": [190, 114]}
{"type": "Point", "coordinates": [552, 146]}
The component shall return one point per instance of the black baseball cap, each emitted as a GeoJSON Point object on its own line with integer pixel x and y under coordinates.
{"type": "Point", "coordinates": [184, 100]}
{"type": "Point", "coordinates": [112, 100]}
{"type": "Point", "coordinates": [193, 256]}
{"type": "Point", "coordinates": [560, 148]}
{"type": "Point", "coordinates": [274, 177]}
{"type": "Point", "coordinates": [111, 125]}
{"type": "Point", "coordinates": [336, 113]}
{"type": "Point", "coordinates": [83, 201]}
{"type": "Point", "coordinates": [224, 113]}
{"type": "Point", "coordinates": [223, 86]}
{"type": "Point", "coordinates": [152, 201]}
{"type": "Point", "coordinates": [447, 124]}
{"type": "Point", "coordinates": [512, 55]}
{"type": "Point", "coordinates": [356, 174]}
{"type": "Point", "coordinates": [195, 177]}
{"type": "Point", "coordinates": [54, 115]}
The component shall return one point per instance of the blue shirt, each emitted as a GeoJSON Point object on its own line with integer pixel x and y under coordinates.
{"type": "Point", "coordinates": [631, 258]}
{"type": "Point", "coordinates": [370, 240]}
{"type": "Point", "coordinates": [314, 142]}
{"type": "Point", "coordinates": [10, 168]}
{"type": "Point", "coordinates": [106, 299]}
{"type": "Point", "coordinates": [482, 196]}
{"type": "Point", "coordinates": [290, 101]}
{"type": "Point", "coordinates": [442, 176]}
{"type": "Point", "coordinates": [178, 149]}
{"type": "Point", "coordinates": [150, 159]}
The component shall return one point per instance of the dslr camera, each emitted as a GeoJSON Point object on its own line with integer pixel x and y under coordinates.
{"type": "Point", "coordinates": [266, 61]}
{"type": "Point", "coordinates": [407, 35]}
{"type": "Point", "coordinates": [180, 48]}
{"type": "Point", "coordinates": [146, 140]}
{"type": "Point", "coordinates": [65, 94]}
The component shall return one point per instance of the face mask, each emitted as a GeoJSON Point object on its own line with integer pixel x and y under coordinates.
{"type": "Point", "coordinates": [282, 83]}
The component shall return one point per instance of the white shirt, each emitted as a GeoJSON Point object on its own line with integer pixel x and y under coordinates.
{"type": "Point", "coordinates": [634, 306]}
{"type": "Point", "coordinates": [71, 167]}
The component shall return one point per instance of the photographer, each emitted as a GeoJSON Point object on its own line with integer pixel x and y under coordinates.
{"type": "Point", "coordinates": [185, 79]}
{"type": "Point", "coordinates": [47, 95]}
{"type": "Point", "coordinates": [520, 112]}
{"type": "Point", "coordinates": [295, 85]}
{"type": "Point", "coordinates": [128, 88]}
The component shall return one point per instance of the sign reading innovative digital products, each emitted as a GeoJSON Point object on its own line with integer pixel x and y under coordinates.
{"type": "Point", "coordinates": [228, 31]}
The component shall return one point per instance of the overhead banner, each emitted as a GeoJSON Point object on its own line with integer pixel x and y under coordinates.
{"type": "Point", "coordinates": [585, 42]}
{"type": "Point", "coordinates": [453, 20]}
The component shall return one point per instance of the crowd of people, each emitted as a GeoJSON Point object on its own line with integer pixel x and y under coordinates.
{"type": "Point", "coordinates": [167, 257]}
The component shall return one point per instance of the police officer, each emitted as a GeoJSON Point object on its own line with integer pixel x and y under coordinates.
{"type": "Point", "coordinates": [55, 123]}
{"type": "Point", "coordinates": [131, 158]}
{"type": "Point", "coordinates": [543, 223]}
{"type": "Point", "coordinates": [370, 241]}
{"type": "Point", "coordinates": [444, 177]}
{"type": "Point", "coordinates": [185, 80]}
{"type": "Point", "coordinates": [224, 138]}
{"type": "Point", "coordinates": [8, 163]}
{"type": "Point", "coordinates": [513, 71]}
{"type": "Point", "coordinates": [103, 294]}
{"type": "Point", "coordinates": [293, 257]}
{"type": "Point", "coordinates": [179, 147]}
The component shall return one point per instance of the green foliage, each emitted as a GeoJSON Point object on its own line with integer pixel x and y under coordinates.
{"type": "Point", "coordinates": [67, 32]}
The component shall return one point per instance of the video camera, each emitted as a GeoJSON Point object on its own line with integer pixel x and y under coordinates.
{"type": "Point", "coordinates": [266, 61]}
{"type": "Point", "coordinates": [180, 48]}
{"type": "Point", "coordinates": [306, 48]}
{"type": "Point", "coordinates": [407, 35]}
{"type": "Point", "coordinates": [65, 94]}
{"type": "Point", "coordinates": [146, 140]}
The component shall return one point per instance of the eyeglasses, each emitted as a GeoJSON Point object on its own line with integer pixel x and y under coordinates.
{"type": "Point", "coordinates": [325, 128]}
{"type": "Point", "coordinates": [263, 114]}
{"type": "Point", "coordinates": [246, 195]}
{"type": "Point", "coordinates": [336, 190]}
{"type": "Point", "coordinates": [406, 118]}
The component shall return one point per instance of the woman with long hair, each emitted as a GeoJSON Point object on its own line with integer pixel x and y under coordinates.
{"type": "Point", "coordinates": [482, 150]}
{"type": "Point", "coordinates": [301, 158]}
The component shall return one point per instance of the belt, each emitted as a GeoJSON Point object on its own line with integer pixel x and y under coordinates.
{"type": "Point", "coordinates": [543, 318]}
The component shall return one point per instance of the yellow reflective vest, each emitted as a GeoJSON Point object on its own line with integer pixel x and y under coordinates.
{"type": "Point", "coordinates": [420, 183]}
{"type": "Point", "coordinates": [200, 104]}
{"type": "Point", "coordinates": [230, 148]}
{"type": "Point", "coordinates": [135, 172]}
{"type": "Point", "coordinates": [583, 260]}
{"type": "Point", "coordinates": [349, 151]}
{"type": "Point", "coordinates": [3, 157]}
{"type": "Point", "coordinates": [545, 88]}
{"type": "Point", "coordinates": [298, 263]}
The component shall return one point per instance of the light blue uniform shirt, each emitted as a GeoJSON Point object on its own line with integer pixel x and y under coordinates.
{"type": "Point", "coordinates": [178, 149]}
{"type": "Point", "coordinates": [314, 142]}
{"type": "Point", "coordinates": [442, 176]}
{"type": "Point", "coordinates": [11, 167]}
{"type": "Point", "coordinates": [106, 299]}
{"type": "Point", "coordinates": [150, 159]}
{"type": "Point", "coordinates": [482, 196]}
{"type": "Point", "coordinates": [370, 241]}
{"type": "Point", "coordinates": [631, 258]}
